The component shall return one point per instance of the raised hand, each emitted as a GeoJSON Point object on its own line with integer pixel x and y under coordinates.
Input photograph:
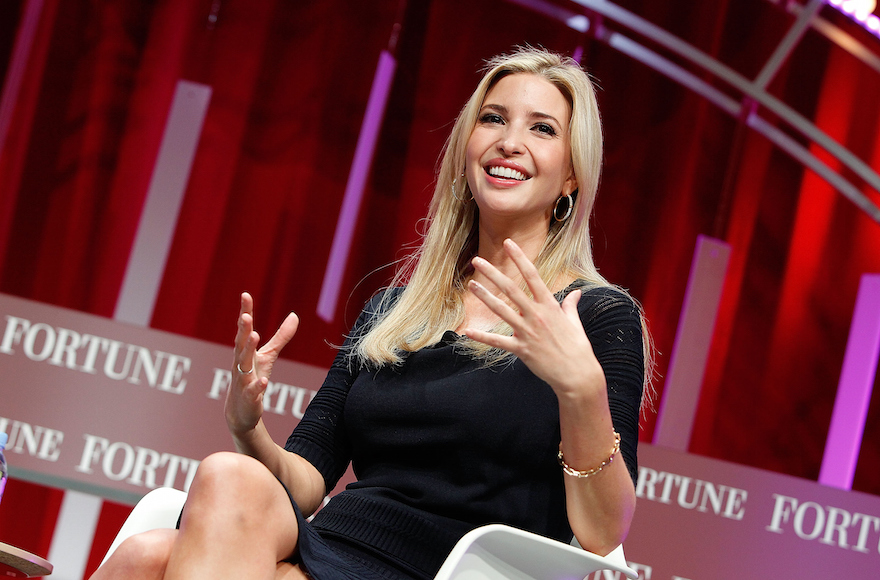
{"type": "Point", "coordinates": [252, 367]}
{"type": "Point", "coordinates": [547, 336]}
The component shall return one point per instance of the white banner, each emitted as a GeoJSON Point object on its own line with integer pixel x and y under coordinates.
{"type": "Point", "coordinates": [704, 519]}
{"type": "Point", "coordinates": [116, 409]}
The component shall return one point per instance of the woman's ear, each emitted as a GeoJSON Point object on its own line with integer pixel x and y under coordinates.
{"type": "Point", "coordinates": [570, 185]}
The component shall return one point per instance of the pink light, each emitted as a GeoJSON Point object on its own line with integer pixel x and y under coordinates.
{"type": "Point", "coordinates": [860, 8]}
{"type": "Point", "coordinates": [354, 189]}
{"type": "Point", "coordinates": [854, 389]}
{"type": "Point", "coordinates": [861, 11]}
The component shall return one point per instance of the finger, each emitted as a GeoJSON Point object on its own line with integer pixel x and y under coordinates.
{"type": "Point", "coordinates": [490, 338]}
{"type": "Point", "coordinates": [245, 360]}
{"type": "Point", "coordinates": [570, 303]}
{"type": "Point", "coordinates": [245, 326]}
{"type": "Point", "coordinates": [247, 304]}
{"type": "Point", "coordinates": [507, 286]}
{"type": "Point", "coordinates": [529, 272]}
{"type": "Point", "coordinates": [245, 320]}
{"type": "Point", "coordinates": [502, 309]}
{"type": "Point", "coordinates": [570, 307]}
{"type": "Point", "coordinates": [283, 335]}
{"type": "Point", "coordinates": [246, 339]}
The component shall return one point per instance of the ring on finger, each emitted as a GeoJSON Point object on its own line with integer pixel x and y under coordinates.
{"type": "Point", "coordinates": [242, 371]}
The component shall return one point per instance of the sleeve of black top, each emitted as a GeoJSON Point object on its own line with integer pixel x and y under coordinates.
{"type": "Point", "coordinates": [320, 435]}
{"type": "Point", "coordinates": [613, 325]}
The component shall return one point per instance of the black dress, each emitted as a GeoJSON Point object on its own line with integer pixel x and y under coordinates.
{"type": "Point", "coordinates": [442, 444]}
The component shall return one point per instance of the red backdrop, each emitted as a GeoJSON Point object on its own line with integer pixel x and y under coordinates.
{"type": "Point", "coordinates": [290, 82]}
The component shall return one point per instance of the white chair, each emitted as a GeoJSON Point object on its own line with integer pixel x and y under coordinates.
{"type": "Point", "coordinates": [158, 509]}
{"type": "Point", "coordinates": [499, 552]}
{"type": "Point", "coordinates": [493, 552]}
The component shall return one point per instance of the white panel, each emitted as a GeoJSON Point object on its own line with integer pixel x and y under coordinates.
{"type": "Point", "coordinates": [74, 532]}
{"type": "Point", "coordinates": [155, 233]}
{"type": "Point", "coordinates": [690, 353]}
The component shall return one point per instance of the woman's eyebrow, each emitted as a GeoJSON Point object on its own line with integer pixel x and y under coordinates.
{"type": "Point", "coordinates": [499, 108]}
{"type": "Point", "coordinates": [541, 115]}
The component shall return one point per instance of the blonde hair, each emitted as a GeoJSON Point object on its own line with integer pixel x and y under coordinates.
{"type": "Point", "coordinates": [434, 275]}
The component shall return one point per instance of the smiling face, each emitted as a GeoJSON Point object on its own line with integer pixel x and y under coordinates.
{"type": "Point", "coordinates": [518, 158]}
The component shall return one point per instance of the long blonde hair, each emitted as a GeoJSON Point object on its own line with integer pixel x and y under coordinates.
{"type": "Point", "coordinates": [434, 275]}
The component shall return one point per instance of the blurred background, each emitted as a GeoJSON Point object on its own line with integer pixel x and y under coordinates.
{"type": "Point", "coordinates": [87, 89]}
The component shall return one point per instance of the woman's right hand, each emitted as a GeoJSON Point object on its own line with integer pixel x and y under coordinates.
{"type": "Point", "coordinates": [252, 367]}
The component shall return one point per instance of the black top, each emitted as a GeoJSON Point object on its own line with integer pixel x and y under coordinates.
{"type": "Point", "coordinates": [442, 444]}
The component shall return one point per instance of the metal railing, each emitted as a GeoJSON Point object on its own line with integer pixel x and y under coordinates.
{"type": "Point", "coordinates": [627, 33]}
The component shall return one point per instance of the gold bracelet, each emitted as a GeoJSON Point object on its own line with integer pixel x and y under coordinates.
{"type": "Point", "coordinates": [569, 470]}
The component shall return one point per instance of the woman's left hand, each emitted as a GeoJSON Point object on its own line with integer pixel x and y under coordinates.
{"type": "Point", "coordinates": [547, 336]}
{"type": "Point", "coordinates": [550, 339]}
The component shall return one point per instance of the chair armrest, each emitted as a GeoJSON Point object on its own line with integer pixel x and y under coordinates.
{"type": "Point", "coordinates": [505, 553]}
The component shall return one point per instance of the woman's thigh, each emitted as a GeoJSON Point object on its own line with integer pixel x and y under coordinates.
{"type": "Point", "coordinates": [288, 571]}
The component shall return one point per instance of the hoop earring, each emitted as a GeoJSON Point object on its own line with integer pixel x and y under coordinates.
{"type": "Point", "coordinates": [568, 208]}
{"type": "Point", "coordinates": [453, 191]}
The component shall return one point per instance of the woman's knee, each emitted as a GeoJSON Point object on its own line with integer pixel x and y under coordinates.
{"type": "Point", "coordinates": [230, 474]}
{"type": "Point", "coordinates": [230, 484]}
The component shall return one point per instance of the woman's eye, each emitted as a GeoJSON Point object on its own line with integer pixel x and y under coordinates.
{"type": "Point", "coordinates": [545, 129]}
{"type": "Point", "coordinates": [491, 118]}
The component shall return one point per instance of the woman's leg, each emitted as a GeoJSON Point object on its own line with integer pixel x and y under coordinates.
{"type": "Point", "coordinates": [140, 557]}
{"type": "Point", "coordinates": [238, 522]}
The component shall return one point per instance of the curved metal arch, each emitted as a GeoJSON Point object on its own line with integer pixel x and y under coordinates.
{"type": "Point", "coordinates": [599, 14]}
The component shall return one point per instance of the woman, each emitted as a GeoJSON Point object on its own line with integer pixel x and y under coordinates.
{"type": "Point", "coordinates": [498, 355]}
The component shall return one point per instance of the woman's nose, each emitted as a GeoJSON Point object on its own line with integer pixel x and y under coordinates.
{"type": "Point", "coordinates": [510, 142]}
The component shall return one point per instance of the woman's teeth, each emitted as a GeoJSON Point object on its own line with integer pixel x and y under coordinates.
{"type": "Point", "coordinates": [506, 173]}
